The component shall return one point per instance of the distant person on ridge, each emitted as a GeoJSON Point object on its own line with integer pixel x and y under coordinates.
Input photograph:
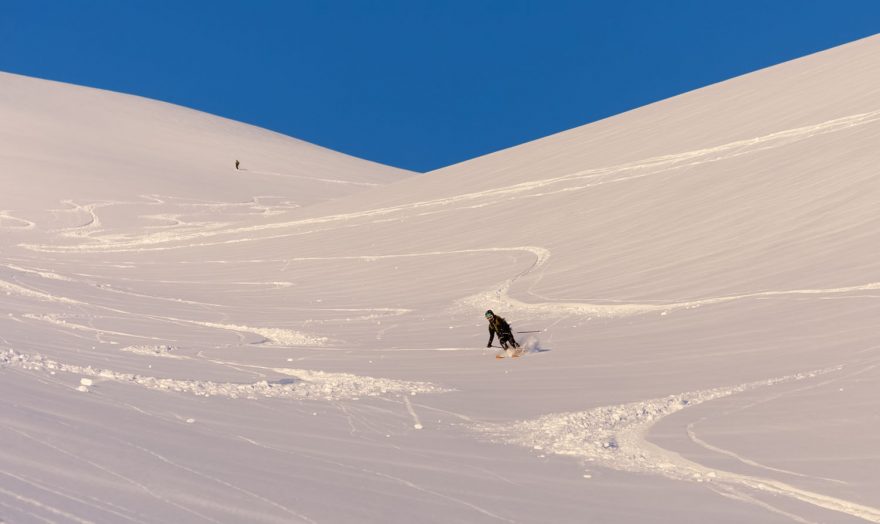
{"type": "Point", "coordinates": [236, 164]}
{"type": "Point", "coordinates": [499, 326]}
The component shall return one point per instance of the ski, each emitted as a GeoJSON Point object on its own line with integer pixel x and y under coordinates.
{"type": "Point", "coordinates": [510, 353]}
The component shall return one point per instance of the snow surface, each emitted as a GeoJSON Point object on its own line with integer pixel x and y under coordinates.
{"type": "Point", "coordinates": [302, 340]}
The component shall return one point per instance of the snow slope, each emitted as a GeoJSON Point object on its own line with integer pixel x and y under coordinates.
{"type": "Point", "coordinates": [303, 341]}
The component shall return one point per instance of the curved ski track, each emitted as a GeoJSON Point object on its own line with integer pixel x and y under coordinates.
{"type": "Point", "coordinates": [614, 437]}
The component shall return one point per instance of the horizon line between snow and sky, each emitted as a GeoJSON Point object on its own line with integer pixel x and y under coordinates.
{"type": "Point", "coordinates": [416, 85]}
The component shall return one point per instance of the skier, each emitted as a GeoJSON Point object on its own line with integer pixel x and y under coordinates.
{"type": "Point", "coordinates": [499, 326]}
{"type": "Point", "coordinates": [236, 164]}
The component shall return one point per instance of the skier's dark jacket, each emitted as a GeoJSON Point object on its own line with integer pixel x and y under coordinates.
{"type": "Point", "coordinates": [498, 326]}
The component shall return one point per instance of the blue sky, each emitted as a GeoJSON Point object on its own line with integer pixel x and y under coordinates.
{"type": "Point", "coordinates": [416, 84]}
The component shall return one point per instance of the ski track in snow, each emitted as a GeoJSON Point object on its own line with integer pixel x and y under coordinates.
{"type": "Point", "coordinates": [369, 473]}
{"type": "Point", "coordinates": [312, 179]}
{"type": "Point", "coordinates": [103, 506]}
{"type": "Point", "coordinates": [500, 298]}
{"type": "Point", "coordinates": [14, 289]}
{"type": "Point", "coordinates": [764, 399]}
{"type": "Point", "coordinates": [39, 272]}
{"type": "Point", "coordinates": [496, 298]}
{"type": "Point", "coordinates": [612, 436]}
{"type": "Point", "coordinates": [308, 385]}
{"type": "Point", "coordinates": [60, 321]}
{"type": "Point", "coordinates": [92, 223]}
{"type": "Point", "coordinates": [276, 336]}
{"type": "Point", "coordinates": [41, 506]}
{"type": "Point", "coordinates": [92, 227]}
{"type": "Point", "coordinates": [8, 221]}
{"type": "Point", "coordinates": [409, 408]}
{"type": "Point", "coordinates": [222, 482]}
{"type": "Point", "coordinates": [615, 437]}
{"type": "Point", "coordinates": [534, 188]}
{"type": "Point", "coordinates": [272, 336]}
{"type": "Point", "coordinates": [142, 487]}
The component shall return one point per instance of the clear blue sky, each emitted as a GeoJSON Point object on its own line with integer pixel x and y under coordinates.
{"type": "Point", "coordinates": [416, 84]}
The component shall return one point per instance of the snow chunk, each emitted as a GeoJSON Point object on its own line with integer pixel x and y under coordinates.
{"type": "Point", "coordinates": [162, 350]}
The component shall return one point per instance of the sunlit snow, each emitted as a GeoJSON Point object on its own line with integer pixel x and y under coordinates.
{"type": "Point", "coordinates": [696, 285]}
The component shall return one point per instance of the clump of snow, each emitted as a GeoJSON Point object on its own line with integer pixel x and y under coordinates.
{"type": "Point", "coordinates": [532, 344]}
{"type": "Point", "coordinates": [161, 350]}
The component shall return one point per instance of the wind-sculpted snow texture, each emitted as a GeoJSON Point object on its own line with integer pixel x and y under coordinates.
{"type": "Point", "coordinates": [302, 339]}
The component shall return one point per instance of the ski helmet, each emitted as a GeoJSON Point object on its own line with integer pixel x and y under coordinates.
{"type": "Point", "coordinates": [489, 314]}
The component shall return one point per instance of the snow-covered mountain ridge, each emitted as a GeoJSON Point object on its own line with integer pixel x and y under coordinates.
{"type": "Point", "coordinates": [303, 339]}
